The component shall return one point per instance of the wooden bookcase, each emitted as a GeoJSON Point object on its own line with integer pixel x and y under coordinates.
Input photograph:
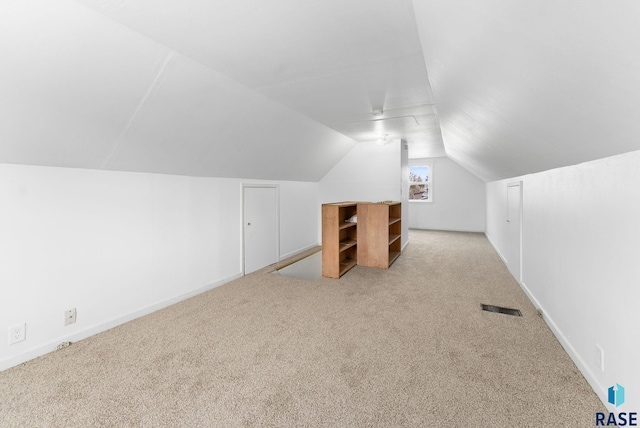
{"type": "Point", "coordinates": [339, 238]}
{"type": "Point", "coordinates": [379, 232]}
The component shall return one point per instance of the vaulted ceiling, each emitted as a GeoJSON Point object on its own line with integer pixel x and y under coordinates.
{"type": "Point", "coordinates": [526, 86]}
{"type": "Point", "coordinates": [283, 89]}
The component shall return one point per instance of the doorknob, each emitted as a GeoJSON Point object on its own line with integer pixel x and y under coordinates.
{"type": "Point", "coordinates": [248, 224]}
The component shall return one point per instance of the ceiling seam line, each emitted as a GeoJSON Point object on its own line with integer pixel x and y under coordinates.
{"type": "Point", "coordinates": [136, 112]}
{"type": "Point", "coordinates": [284, 82]}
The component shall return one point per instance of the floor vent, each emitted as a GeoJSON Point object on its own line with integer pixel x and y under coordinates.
{"type": "Point", "coordinates": [499, 310]}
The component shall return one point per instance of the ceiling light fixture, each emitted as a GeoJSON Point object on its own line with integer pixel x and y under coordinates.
{"type": "Point", "coordinates": [377, 111]}
{"type": "Point", "coordinates": [383, 140]}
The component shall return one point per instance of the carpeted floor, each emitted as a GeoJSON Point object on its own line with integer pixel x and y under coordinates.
{"type": "Point", "coordinates": [404, 347]}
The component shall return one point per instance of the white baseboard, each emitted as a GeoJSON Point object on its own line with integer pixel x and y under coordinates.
{"type": "Point", "coordinates": [448, 229]}
{"type": "Point", "coordinates": [495, 247]}
{"type": "Point", "coordinates": [52, 345]}
{"type": "Point", "coordinates": [566, 344]}
{"type": "Point", "coordinates": [570, 350]}
{"type": "Point", "coordinates": [293, 253]}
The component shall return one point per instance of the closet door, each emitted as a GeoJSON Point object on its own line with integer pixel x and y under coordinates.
{"type": "Point", "coordinates": [260, 217]}
{"type": "Point", "coordinates": [514, 229]}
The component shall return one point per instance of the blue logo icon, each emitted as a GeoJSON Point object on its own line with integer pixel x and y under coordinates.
{"type": "Point", "coordinates": [616, 395]}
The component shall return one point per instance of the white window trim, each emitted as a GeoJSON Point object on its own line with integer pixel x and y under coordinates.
{"type": "Point", "coordinates": [421, 201]}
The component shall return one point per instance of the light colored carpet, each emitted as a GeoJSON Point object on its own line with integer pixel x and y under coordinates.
{"type": "Point", "coordinates": [404, 347]}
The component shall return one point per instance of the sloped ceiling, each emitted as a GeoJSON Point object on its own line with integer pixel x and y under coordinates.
{"type": "Point", "coordinates": [283, 89]}
{"type": "Point", "coordinates": [334, 61]}
{"type": "Point", "coordinates": [80, 90]}
{"type": "Point", "coordinates": [243, 88]}
{"type": "Point", "coordinates": [522, 87]}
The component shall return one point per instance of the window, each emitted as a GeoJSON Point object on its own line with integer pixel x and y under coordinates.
{"type": "Point", "coordinates": [420, 185]}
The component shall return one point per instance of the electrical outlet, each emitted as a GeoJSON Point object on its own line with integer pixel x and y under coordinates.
{"type": "Point", "coordinates": [17, 333]}
{"type": "Point", "coordinates": [70, 316]}
{"type": "Point", "coordinates": [600, 357]}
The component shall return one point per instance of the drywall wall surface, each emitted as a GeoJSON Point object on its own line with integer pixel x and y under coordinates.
{"type": "Point", "coordinates": [581, 262]}
{"type": "Point", "coordinates": [118, 245]}
{"type": "Point", "coordinates": [404, 192]}
{"type": "Point", "coordinates": [299, 216]}
{"type": "Point", "coordinates": [215, 228]}
{"type": "Point", "coordinates": [496, 217]}
{"type": "Point", "coordinates": [369, 173]}
{"type": "Point", "coordinates": [459, 201]}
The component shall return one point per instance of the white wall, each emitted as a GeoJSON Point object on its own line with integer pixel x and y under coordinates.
{"type": "Point", "coordinates": [369, 173]}
{"type": "Point", "coordinates": [404, 191]}
{"type": "Point", "coordinates": [581, 262]}
{"type": "Point", "coordinates": [299, 217]}
{"type": "Point", "coordinates": [458, 199]}
{"type": "Point", "coordinates": [118, 245]}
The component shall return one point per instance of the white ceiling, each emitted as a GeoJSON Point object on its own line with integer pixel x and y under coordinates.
{"type": "Point", "coordinates": [332, 60]}
{"type": "Point", "coordinates": [522, 87]}
{"type": "Point", "coordinates": [282, 89]}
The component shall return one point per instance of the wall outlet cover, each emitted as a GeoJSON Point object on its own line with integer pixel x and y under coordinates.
{"type": "Point", "coordinates": [17, 333]}
{"type": "Point", "coordinates": [70, 316]}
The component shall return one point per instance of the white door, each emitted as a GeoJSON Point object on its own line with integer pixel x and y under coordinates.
{"type": "Point", "coordinates": [514, 229]}
{"type": "Point", "coordinates": [260, 215]}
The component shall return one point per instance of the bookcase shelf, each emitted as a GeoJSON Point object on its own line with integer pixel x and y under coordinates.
{"type": "Point", "coordinates": [339, 239]}
{"type": "Point", "coordinates": [380, 229]}
{"type": "Point", "coordinates": [393, 238]}
{"type": "Point", "coordinates": [347, 243]}
{"type": "Point", "coordinates": [346, 225]}
{"type": "Point", "coordinates": [375, 240]}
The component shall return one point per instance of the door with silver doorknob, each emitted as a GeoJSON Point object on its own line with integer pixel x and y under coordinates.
{"type": "Point", "coordinates": [260, 212]}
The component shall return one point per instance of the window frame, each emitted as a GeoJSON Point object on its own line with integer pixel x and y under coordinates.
{"type": "Point", "coordinates": [419, 163]}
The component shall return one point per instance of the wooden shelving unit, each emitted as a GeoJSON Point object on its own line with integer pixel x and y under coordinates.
{"type": "Point", "coordinates": [380, 229]}
{"type": "Point", "coordinates": [339, 239]}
